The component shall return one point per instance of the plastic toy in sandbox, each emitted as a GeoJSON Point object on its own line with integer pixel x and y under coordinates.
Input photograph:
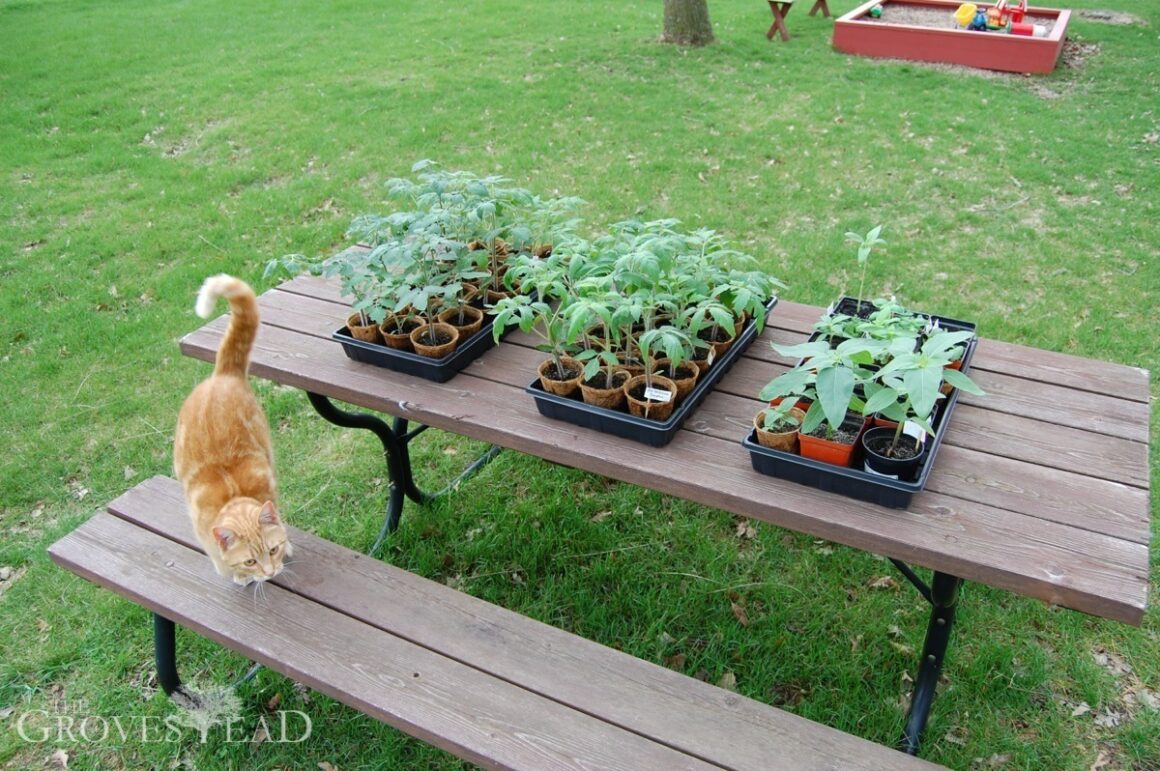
{"type": "Point", "coordinates": [1007, 35]}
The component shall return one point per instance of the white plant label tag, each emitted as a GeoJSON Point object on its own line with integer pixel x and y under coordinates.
{"type": "Point", "coordinates": [712, 355]}
{"type": "Point", "coordinates": [658, 395]}
{"type": "Point", "coordinates": [915, 431]}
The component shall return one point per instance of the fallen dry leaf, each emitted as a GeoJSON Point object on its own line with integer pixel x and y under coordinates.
{"type": "Point", "coordinates": [953, 736]}
{"type": "Point", "coordinates": [740, 614]}
{"type": "Point", "coordinates": [1112, 662]}
{"type": "Point", "coordinates": [1109, 718]}
{"type": "Point", "coordinates": [324, 766]}
{"type": "Point", "coordinates": [1081, 709]}
{"type": "Point", "coordinates": [1148, 698]}
{"type": "Point", "coordinates": [59, 759]}
{"type": "Point", "coordinates": [676, 661]}
{"type": "Point", "coordinates": [6, 712]}
{"type": "Point", "coordinates": [260, 735]}
{"type": "Point", "coordinates": [728, 681]}
{"type": "Point", "coordinates": [273, 703]}
{"type": "Point", "coordinates": [600, 516]}
{"type": "Point", "coordinates": [746, 530]}
{"type": "Point", "coordinates": [905, 650]}
{"type": "Point", "coordinates": [883, 582]}
{"type": "Point", "coordinates": [1102, 761]}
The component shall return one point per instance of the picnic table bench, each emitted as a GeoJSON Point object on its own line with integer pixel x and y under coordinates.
{"type": "Point", "coordinates": [1047, 503]}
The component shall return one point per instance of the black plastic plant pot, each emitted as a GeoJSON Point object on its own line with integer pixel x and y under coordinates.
{"type": "Point", "coordinates": [651, 432]}
{"type": "Point", "coordinates": [439, 370]}
{"type": "Point", "coordinates": [876, 443]}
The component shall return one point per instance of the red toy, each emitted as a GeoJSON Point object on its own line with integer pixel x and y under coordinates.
{"type": "Point", "coordinates": [1001, 15]}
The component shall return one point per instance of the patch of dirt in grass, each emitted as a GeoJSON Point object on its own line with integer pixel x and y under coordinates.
{"type": "Point", "coordinates": [1076, 54]}
{"type": "Point", "coordinates": [1113, 17]}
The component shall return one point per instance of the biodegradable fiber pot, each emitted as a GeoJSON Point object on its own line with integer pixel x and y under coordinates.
{"type": "Point", "coordinates": [560, 383]}
{"type": "Point", "coordinates": [593, 391]}
{"type": "Point", "coordinates": [467, 319]}
{"type": "Point", "coordinates": [446, 337]}
{"type": "Point", "coordinates": [396, 337]}
{"type": "Point", "coordinates": [643, 407]}
{"type": "Point", "coordinates": [876, 443]}
{"type": "Point", "coordinates": [836, 453]}
{"type": "Point", "coordinates": [368, 333]}
{"type": "Point", "coordinates": [685, 378]}
{"type": "Point", "coordinates": [786, 441]}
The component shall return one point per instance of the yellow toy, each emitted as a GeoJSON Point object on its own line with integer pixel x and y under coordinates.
{"type": "Point", "coordinates": [965, 13]}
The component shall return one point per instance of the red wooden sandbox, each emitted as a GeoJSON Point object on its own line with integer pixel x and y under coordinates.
{"type": "Point", "coordinates": [858, 33]}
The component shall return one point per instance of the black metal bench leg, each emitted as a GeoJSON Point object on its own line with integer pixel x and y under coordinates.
{"type": "Point", "coordinates": [395, 439]}
{"type": "Point", "coordinates": [165, 654]}
{"type": "Point", "coordinates": [943, 595]}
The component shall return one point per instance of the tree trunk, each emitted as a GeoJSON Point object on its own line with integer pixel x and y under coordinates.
{"type": "Point", "coordinates": [687, 22]}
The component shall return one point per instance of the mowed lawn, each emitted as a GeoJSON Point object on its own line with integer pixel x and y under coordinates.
{"type": "Point", "coordinates": [146, 145]}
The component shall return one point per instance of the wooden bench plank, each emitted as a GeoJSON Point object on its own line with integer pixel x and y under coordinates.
{"type": "Point", "coordinates": [453, 706]}
{"type": "Point", "coordinates": [1062, 565]}
{"type": "Point", "coordinates": [694, 717]}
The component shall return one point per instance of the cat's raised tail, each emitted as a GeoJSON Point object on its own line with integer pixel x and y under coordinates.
{"type": "Point", "coordinates": [233, 357]}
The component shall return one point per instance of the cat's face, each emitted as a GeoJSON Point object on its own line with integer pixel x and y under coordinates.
{"type": "Point", "coordinates": [252, 540]}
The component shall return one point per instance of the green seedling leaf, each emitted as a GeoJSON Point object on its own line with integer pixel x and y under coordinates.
{"type": "Point", "coordinates": [835, 388]}
{"type": "Point", "coordinates": [962, 382]}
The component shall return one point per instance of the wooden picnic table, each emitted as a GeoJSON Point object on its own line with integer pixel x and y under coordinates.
{"type": "Point", "coordinates": [1040, 488]}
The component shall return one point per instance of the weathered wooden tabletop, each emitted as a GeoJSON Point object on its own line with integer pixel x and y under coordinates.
{"type": "Point", "coordinates": [1041, 487]}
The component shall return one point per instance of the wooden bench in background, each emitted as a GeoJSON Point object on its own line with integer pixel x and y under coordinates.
{"type": "Point", "coordinates": [781, 9]}
{"type": "Point", "coordinates": [487, 684]}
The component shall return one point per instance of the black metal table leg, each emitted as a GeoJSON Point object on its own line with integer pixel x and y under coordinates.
{"type": "Point", "coordinates": [943, 594]}
{"type": "Point", "coordinates": [395, 439]}
{"type": "Point", "coordinates": [165, 654]}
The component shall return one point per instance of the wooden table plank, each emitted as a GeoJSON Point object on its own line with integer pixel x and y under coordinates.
{"type": "Point", "coordinates": [1010, 436]}
{"type": "Point", "coordinates": [1021, 361]}
{"type": "Point", "coordinates": [713, 724]}
{"type": "Point", "coordinates": [1034, 364]}
{"type": "Point", "coordinates": [1063, 565]}
{"type": "Point", "coordinates": [441, 701]}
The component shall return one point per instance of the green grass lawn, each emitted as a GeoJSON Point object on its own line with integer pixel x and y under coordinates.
{"type": "Point", "coordinates": [145, 145]}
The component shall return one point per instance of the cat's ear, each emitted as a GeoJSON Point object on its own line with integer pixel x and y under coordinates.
{"type": "Point", "coordinates": [269, 515]}
{"type": "Point", "coordinates": [224, 537]}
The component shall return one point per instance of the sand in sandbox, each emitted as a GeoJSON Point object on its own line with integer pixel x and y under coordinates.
{"type": "Point", "coordinates": [925, 16]}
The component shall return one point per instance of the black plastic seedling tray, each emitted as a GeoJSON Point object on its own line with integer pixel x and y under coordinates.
{"type": "Point", "coordinates": [655, 433]}
{"type": "Point", "coordinates": [407, 362]}
{"type": "Point", "coordinates": [853, 482]}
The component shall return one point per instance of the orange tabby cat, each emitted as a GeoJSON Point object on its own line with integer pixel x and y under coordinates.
{"type": "Point", "coordinates": [222, 452]}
